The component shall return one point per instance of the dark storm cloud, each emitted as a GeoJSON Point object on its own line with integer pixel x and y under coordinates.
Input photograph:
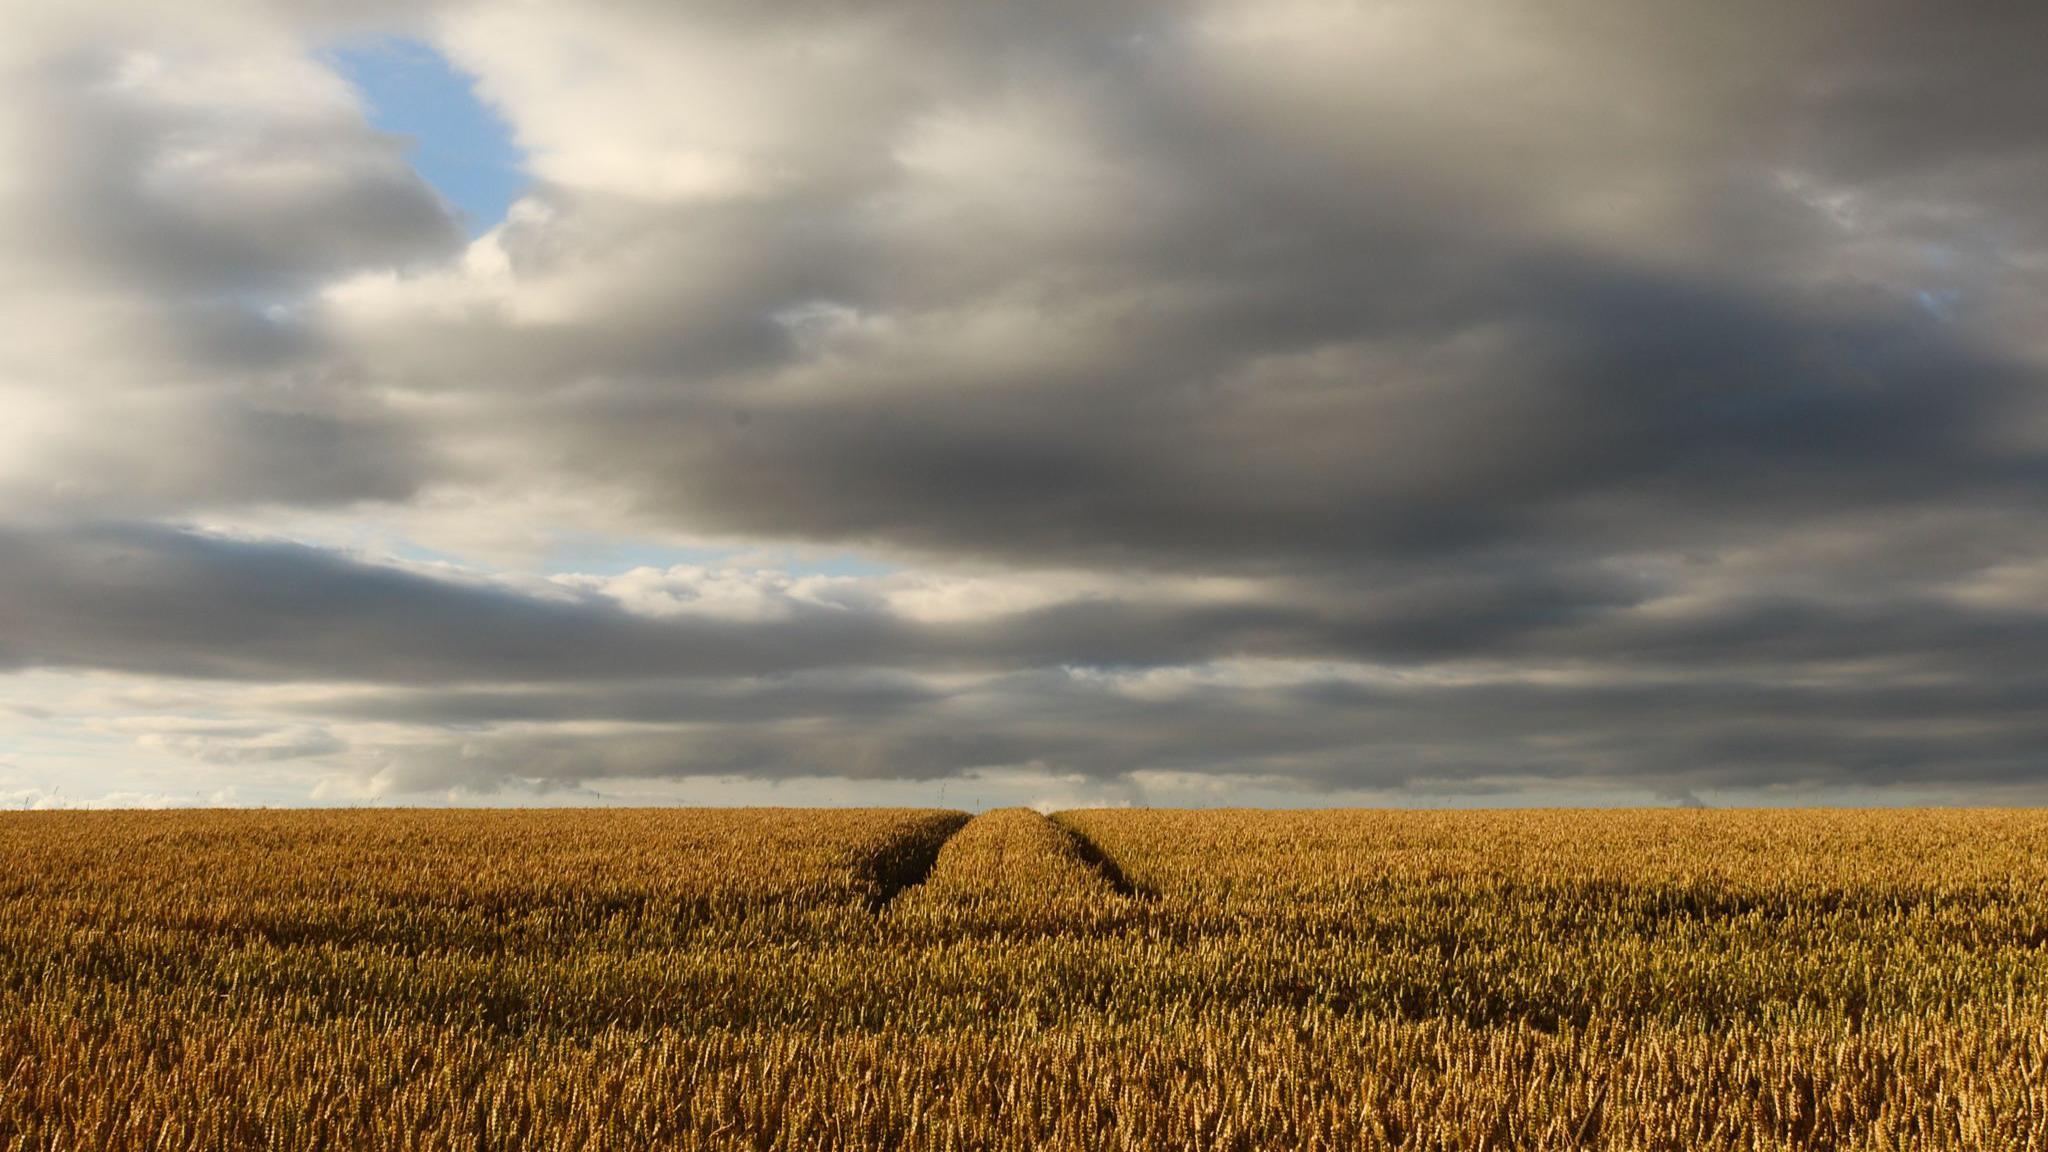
{"type": "Point", "coordinates": [1443, 739]}
{"type": "Point", "coordinates": [1697, 407]}
{"type": "Point", "coordinates": [154, 601]}
{"type": "Point", "coordinates": [150, 600]}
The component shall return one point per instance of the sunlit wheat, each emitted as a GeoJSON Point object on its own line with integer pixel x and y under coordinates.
{"type": "Point", "coordinates": [1133, 979]}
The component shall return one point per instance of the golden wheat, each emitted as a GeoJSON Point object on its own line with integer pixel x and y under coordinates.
{"type": "Point", "coordinates": [1129, 980]}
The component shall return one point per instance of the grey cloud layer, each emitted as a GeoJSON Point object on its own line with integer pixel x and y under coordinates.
{"type": "Point", "coordinates": [1619, 392]}
{"type": "Point", "coordinates": [1428, 691]}
{"type": "Point", "coordinates": [1119, 296]}
{"type": "Point", "coordinates": [153, 601]}
{"type": "Point", "coordinates": [1512, 427]}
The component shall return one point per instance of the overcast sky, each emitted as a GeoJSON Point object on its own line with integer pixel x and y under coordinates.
{"type": "Point", "coordinates": [1245, 401]}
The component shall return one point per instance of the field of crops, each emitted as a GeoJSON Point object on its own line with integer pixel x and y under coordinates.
{"type": "Point", "coordinates": [1102, 979]}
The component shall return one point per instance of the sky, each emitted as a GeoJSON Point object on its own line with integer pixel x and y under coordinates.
{"type": "Point", "coordinates": [457, 143]}
{"type": "Point", "coordinates": [1264, 402]}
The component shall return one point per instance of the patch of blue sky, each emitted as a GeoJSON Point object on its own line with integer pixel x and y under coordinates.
{"type": "Point", "coordinates": [1939, 304]}
{"type": "Point", "coordinates": [462, 146]}
{"type": "Point", "coordinates": [839, 564]}
{"type": "Point", "coordinates": [600, 556]}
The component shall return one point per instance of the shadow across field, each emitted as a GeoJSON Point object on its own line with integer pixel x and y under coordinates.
{"type": "Point", "coordinates": [1091, 854]}
{"type": "Point", "coordinates": [905, 862]}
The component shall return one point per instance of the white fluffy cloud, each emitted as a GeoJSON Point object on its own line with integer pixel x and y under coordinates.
{"type": "Point", "coordinates": [175, 181]}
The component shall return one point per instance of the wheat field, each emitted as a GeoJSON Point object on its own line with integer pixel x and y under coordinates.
{"type": "Point", "coordinates": [894, 979]}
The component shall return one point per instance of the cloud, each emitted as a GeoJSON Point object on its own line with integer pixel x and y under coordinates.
{"type": "Point", "coordinates": [411, 682]}
{"type": "Point", "coordinates": [150, 600]}
{"type": "Point", "coordinates": [1110, 295]}
{"type": "Point", "coordinates": [1467, 396]}
{"type": "Point", "coordinates": [175, 188]}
